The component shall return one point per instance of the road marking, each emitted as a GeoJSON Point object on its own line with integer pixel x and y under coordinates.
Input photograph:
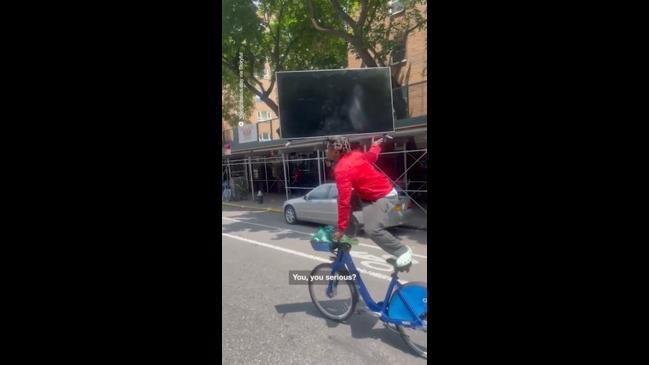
{"type": "Point", "coordinates": [307, 234]}
{"type": "Point", "coordinates": [306, 255]}
{"type": "Point", "coordinates": [267, 226]}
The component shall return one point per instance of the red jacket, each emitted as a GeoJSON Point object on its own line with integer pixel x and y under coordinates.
{"type": "Point", "coordinates": [355, 170]}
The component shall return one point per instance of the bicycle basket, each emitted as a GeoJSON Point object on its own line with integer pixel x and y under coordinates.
{"type": "Point", "coordinates": [322, 240]}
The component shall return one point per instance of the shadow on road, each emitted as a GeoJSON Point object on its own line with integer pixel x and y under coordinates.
{"type": "Point", "coordinates": [361, 324]}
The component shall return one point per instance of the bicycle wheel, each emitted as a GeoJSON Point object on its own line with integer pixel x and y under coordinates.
{"type": "Point", "coordinates": [416, 338]}
{"type": "Point", "coordinates": [338, 305]}
{"type": "Point", "coordinates": [416, 296]}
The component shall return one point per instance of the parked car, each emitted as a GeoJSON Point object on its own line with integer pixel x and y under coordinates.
{"type": "Point", "coordinates": [320, 205]}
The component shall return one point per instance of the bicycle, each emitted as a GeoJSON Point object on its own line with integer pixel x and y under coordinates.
{"type": "Point", "coordinates": [405, 305]}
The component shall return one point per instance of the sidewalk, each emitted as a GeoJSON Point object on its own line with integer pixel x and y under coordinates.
{"type": "Point", "coordinates": [415, 218]}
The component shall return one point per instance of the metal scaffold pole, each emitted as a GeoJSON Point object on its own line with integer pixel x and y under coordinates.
{"type": "Point", "coordinates": [230, 179]}
{"type": "Point", "coordinates": [266, 175]}
{"type": "Point", "coordinates": [252, 184]}
{"type": "Point", "coordinates": [285, 176]}
{"type": "Point", "coordinates": [405, 166]}
{"type": "Point", "coordinates": [319, 170]}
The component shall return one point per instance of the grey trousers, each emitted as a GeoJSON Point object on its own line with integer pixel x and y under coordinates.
{"type": "Point", "coordinates": [375, 217]}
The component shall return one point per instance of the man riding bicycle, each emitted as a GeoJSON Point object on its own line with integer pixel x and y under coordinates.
{"type": "Point", "coordinates": [354, 169]}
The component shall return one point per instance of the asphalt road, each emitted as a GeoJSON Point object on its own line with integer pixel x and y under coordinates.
{"type": "Point", "coordinates": [268, 321]}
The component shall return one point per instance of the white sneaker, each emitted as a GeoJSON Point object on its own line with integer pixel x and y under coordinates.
{"type": "Point", "coordinates": [405, 258]}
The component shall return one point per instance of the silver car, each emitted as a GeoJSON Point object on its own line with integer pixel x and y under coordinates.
{"type": "Point", "coordinates": [320, 205]}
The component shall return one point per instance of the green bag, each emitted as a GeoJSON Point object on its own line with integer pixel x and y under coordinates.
{"type": "Point", "coordinates": [323, 239]}
{"type": "Point", "coordinates": [324, 234]}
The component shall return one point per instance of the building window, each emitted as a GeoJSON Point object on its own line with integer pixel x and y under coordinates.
{"type": "Point", "coordinates": [263, 115]}
{"type": "Point", "coordinates": [265, 136]}
{"type": "Point", "coordinates": [396, 7]}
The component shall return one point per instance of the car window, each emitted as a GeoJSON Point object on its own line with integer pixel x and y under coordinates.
{"type": "Point", "coordinates": [333, 192]}
{"type": "Point", "coordinates": [321, 192]}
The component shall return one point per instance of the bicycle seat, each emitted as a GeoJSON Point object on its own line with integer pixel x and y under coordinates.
{"type": "Point", "coordinates": [393, 262]}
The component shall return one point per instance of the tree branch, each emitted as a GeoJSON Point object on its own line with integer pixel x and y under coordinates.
{"type": "Point", "coordinates": [272, 84]}
{"type": "Point", "coordinates": [275, 57]}
{"type": "Point", "coordinates": [342, 15]}
{"type": "Point", "coordinates": [323, 29]}
{"type": "Point", "coordinates": [277, 38]}
{"type": "Point", "coordinates": [376, 57]}
{"type": "Point", "coordinates": [364, 10]}
{"type": "Point", "coordinates": [286, 52]}
{"type": "Point", "coordinates": [373, 15]}
{"type": "Point", "coordinates": [232, 66]}
{"type": "Point", "coordinates": [251, 70]}
{"type": "Point", "coordinates": [252, 88]}
{"type": "Point", "coordinates": [416, 26]}
{"type": "Point", "coordinates": [253, 78]}
{"type": "Point", "coordinates": [271, 104]}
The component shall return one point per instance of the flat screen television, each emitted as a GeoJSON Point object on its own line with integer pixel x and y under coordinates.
{"type": "Point", "coordinates": [335, 102]}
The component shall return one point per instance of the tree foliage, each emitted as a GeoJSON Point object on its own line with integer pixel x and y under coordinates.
{"type": "Point", "coordinates": [367, 26]}
{"type": "Point", "coordinates": [230, 98]}
{"type": "Point", "coordinates": [274, 32]}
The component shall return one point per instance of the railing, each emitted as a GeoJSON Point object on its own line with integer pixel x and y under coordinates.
{"type": "Point", "coordinates": [268, 130]}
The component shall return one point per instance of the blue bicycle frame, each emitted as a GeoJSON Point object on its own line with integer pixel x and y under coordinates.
{"type": "Point", "coordinates": [344, 259]}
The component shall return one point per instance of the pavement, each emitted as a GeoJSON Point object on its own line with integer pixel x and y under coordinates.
{"type": "Point", "coordinates": [415, 217]}
{"type": "Point", "coordinates": [268, 321]}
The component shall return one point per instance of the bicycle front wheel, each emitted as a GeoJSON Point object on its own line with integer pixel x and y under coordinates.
{"type": "Point", "coordinates": [337, 304]}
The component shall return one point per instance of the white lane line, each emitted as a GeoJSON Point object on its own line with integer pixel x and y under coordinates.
{"type": "Point", "coordinates": [306, 255]}
{"type": "Point", "coordinates": [264, 225]}
{"type": "Point", "coordinates": [307, 234]}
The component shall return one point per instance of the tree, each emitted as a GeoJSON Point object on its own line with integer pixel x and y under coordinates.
{"type": "Point", "coordinates": [273, 32]}
{"type": "Point", "coordinates": [367, 27]}
{"type": "Point", "coordinates": [230, 98]}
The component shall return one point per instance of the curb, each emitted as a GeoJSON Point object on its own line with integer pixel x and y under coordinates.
{"type": "Point", "coordinates": [249, 207]}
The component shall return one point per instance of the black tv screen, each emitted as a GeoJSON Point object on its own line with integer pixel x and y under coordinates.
{"type": "Point", "coordinates": [335, 102]}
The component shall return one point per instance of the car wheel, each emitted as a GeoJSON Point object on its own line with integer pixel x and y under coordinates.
{"type": "Point", "coordinates": [289, 215]}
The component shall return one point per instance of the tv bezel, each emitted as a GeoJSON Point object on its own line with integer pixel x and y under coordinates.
{"type": "Point", "coordinates": [279, 110]}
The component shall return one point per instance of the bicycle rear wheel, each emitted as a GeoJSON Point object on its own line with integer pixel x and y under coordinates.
{"type": "Point", "coordinates": [410, 302]}
{"type": "Point", "coordinates": [416, 338]}
{"type": "Point", "coordinates": [339, 304]}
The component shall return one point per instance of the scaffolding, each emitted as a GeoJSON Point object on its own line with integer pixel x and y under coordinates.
{"type": "Point", "coordinates": [304, 171]}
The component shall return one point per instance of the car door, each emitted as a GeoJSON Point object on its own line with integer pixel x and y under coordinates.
{"type": "Point", "coordinates": [330, 207]}
{"type": "Point", "coordinates": [315, 202]}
